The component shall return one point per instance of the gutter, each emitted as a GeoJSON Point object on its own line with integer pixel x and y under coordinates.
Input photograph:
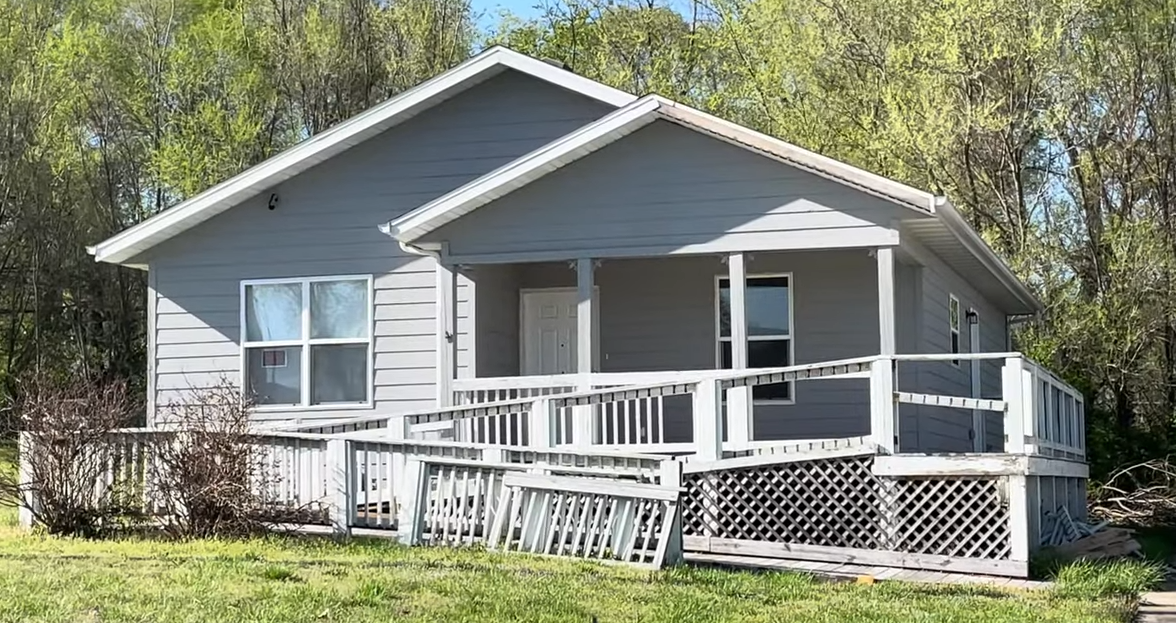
{"type": "Point", "coordinates": [433, 251]}
{"type": "Point", "coordinates": [976, 245]}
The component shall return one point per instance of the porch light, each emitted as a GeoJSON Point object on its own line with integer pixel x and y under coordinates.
{"type": "Point", "coordinates": [972, 317]}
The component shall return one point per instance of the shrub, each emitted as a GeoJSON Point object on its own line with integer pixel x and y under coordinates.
{"type": "Point", "coordinates": [66, 432]}
{"type": "Point", "coordinates": [211, 479]}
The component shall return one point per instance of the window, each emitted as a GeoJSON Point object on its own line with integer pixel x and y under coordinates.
{"type": "Point", "coordinates": [953, 320]}
{"type": "Point", "coordinates": [769, 329]}
{"type": "Point", "coordinates": [308, 342]}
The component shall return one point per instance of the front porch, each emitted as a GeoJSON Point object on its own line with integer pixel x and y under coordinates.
{"type": "Point", "coordinates": [830, 500]}
{"type": "Point", "coordinates": [649, 319]}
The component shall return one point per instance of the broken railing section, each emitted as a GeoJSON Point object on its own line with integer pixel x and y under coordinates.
{"type": "Point", "coordinates": [508, 507]}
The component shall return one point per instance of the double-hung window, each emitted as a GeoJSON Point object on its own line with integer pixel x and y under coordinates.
{"type": "Point", "coordinates": [307, 342]}
{"type": "Point", "coordinates": [768, 303]}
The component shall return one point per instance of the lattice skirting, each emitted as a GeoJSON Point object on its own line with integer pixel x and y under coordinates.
{"type": "Point", "coordinates": [840, 503]}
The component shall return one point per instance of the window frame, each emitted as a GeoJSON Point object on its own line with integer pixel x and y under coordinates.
{"type": "Point", "coordinates": [954, 341]}
{"type": "Point", "coordinates": [306, 342]}
{"type": "Point", "coordinates": [791, 337]}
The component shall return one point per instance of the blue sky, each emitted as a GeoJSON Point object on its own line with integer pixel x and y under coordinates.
{"type": "Point", "coordinates": [488, 10]}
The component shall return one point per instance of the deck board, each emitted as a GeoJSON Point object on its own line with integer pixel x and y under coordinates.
{"type": "Point", "coordinates": [842, 571]}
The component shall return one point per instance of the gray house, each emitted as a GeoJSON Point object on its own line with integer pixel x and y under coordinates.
{"type": "Point", "coordinates": [511, 229]}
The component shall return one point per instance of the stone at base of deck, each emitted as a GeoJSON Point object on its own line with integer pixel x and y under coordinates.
{"type": "Point", "coordinates": [852, 571]}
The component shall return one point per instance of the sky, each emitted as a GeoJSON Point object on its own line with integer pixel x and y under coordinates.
{"type": "Point", "coordinates": [489, 10]}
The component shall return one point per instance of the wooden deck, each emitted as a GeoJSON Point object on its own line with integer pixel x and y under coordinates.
{"type": "Point", "coordinates": [843, 571]}
{"type": "Point", "coordinates": [836, 507]}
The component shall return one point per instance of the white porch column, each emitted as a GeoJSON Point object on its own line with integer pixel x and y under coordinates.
{"type": "Point", "coordinates": [586, 310]}
{"type": "Point", "coordinates": [446, 333]}
{"type": "Point", "coordinates": [739, 404]}
{"type": "Point", "coordinates": [885, 257]}
{"type": "Point", "coordinates": [586, 429]}
{"type": "Point", "coordinates": [884, 417]}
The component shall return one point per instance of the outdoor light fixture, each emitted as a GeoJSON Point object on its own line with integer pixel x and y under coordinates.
{"type": "Point", "coordinates": [972, 317]}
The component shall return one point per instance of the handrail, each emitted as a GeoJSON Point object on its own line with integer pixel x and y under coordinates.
{"type": "Point", "coordinates": [576, 379]}
{"type": "Point", "coordinates": [540, 411]}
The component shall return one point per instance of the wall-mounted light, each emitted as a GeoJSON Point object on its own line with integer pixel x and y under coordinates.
{"type": "Point", "coordinates": [972, 317]}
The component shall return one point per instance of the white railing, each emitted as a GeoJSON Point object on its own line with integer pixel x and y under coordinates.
{"type": "Point", "coordinates": [1050, 415]}
{"type": "Point", "coordinates": [510, 388]}
{"type": "Point", "coordinates": [634, 417]}
{"type": "Point", "coordinates": [709, 411]}
{"type": "Point", "coordinates": [354, 480]}
{"type": "Point", "coordinates": [636, 420]}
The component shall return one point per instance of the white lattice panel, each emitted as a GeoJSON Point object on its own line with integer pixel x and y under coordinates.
{"type": "Point", "coordinates": [950, 516]}
{"type": "Point", "coordinates": [839, 502]}
{"type": "Point", "coordinates": [831, 502]}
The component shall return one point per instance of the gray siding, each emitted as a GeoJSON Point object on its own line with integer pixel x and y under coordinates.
{"type": "Point", "coordinates": [326, 224]}
{"type": "Point", "coordinates": [497, 312]}
{"type": "Point", "coordinates": [945, 430]}
{"type": "Point", "coordinates": [668, 189]}
{"type": "Point", "coordinates": [659, 314]}
{"type": "Point", "coordinates": [907, 305]}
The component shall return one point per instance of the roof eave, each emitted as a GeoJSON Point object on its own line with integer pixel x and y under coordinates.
{"type": "Point", "coordinates": [971, 240]}
{"type": "Point", "coordinates": [522, 171]}
{"type": "Point", "coordinates": [161, 227]}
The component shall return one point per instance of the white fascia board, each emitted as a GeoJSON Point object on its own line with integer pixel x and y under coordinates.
{"type": "Point", "coordinates": [975, 245]}
{"type": "Point", "coordinates": [225, 195]}
{"type": "Point", "coordinates": [526, 169]}
{"type": "Point", "coordinates": [813, 162]}
{"type": "Point", "coordinates": [599, 133]}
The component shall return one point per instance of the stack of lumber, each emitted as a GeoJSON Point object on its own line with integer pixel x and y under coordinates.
{"type": "Point", "coordinates": [1108, 543]}
{"type": "Point", "coordinates": [1059, 527]}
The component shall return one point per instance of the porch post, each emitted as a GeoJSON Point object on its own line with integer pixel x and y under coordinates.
{"type": "Point", "coordinates": [586, 429]}
{"type": "Point", "coordinates": [739, 404]}
{"type": "Point", "coordinates": [884, 421]}
{"type": "Point", "coordinates": [886, 342]}
{"type": "Point", "coordinates": [446, 333]}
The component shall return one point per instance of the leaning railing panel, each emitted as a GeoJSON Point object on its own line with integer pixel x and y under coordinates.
{"type": "Point", "coordinates": [586, 518]}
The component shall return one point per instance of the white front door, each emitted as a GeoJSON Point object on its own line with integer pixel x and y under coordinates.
{"type": "Point", "coordinates": [549, 331]}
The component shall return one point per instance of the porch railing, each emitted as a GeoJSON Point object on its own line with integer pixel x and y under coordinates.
{"type": "Point", "coordinates": [642, 412]}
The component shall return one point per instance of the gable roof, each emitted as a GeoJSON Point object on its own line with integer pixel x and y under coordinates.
{"type": "Point", "coordinates": [938, 222]}
{"type": "Point", "coordinates": [623, 122]}
{"type": "Point", "coordinates": [135, 240]}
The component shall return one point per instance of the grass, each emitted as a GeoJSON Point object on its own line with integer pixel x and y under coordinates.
{"type": "Point", "coordinates": [49, 579]}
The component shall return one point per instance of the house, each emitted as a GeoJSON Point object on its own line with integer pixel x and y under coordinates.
{"type": "Point", "coordinates": [510, 218]}
{"type": "Point", "coordinates": [541, 270]}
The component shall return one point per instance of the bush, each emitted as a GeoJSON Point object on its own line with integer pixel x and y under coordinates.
{"type": "Point", "coordinates": [66, 432]}
{"type": "Point", "coordinates": [211, 479]}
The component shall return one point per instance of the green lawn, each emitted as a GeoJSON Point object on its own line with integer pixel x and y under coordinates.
{"type": "Point", "coordinates": [290, 580]}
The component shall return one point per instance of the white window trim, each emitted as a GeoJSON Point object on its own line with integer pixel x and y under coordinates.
{"type": "Point", "coordinates": [954, 330]}
{"type": "Point", "coordinates": [791, 337]}
{"type": "Point", "coordinates": [306, 342]}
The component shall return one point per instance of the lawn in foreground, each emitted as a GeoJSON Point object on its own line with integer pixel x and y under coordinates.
{"type": "Point", "coordinates": [303, 579]}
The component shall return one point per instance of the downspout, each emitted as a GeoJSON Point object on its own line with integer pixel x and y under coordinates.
{"type": "Point", "coordinates": [408, 247]}
{"type": "Point", "coordinates": [1010, 321]}
{"type": "Point", "coordinates": [446, 333]}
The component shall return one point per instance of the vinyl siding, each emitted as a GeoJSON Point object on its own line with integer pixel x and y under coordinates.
{"type": "Point", "coordinates": [668, 189]}
{"type": "Point", "coordinates": [497, 335]}
{"type": "Point", "coordinates": [947, 430]}
{"type": "Point", "coordinates": [326, 224]}
{"type": "Point", "coordinates": [659, 314]}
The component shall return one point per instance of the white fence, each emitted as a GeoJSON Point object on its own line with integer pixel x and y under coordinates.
{"type": "Point", "coordinates": [361, 481]}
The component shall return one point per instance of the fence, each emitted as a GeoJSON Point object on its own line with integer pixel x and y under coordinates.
{"type": "Point", "coordinates": [361, 481]}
